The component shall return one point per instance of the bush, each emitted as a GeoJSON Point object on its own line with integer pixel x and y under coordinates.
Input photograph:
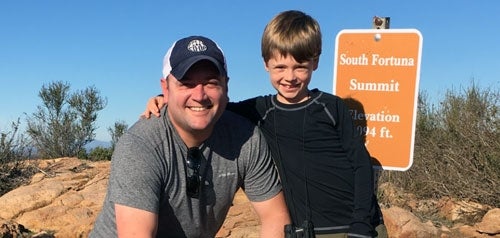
{"type": "Point", "coordinates": [100, 153]}
{"type": "Point", "coordinates": [457, 148]}
{"type": "Point", "coordinates": [14, 150]}
{"type": "Point", "coordinates": [65, 122]}
{"type": "Point", "coordinates": [116, 132]}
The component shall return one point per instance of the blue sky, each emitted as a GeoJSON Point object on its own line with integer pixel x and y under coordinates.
{"type": "Point", "coordinates": [118, 46]}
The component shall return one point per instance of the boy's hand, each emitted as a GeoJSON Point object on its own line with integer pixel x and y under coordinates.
{"type": "Point", "coordinates": [153, 106]}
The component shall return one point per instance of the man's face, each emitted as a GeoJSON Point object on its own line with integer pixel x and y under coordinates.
{"type": "Point", "coordinates": [289, 77]}
{"type": "Point", "coordinates": [197, 101]}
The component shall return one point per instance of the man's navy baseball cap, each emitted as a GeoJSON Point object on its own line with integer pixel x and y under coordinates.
{"type": "Point", "coordinates": [185, 52]}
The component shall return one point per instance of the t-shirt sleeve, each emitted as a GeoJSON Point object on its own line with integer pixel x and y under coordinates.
{"type": "Point", "coordinates": [135, 178]}
{"type": "Point", "coordinates": [261, 180]}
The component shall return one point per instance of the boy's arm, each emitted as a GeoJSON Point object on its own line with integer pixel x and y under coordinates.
{"type": "Point", "coordinates": [253, 108]}
{"type": "Point", "coordinates": [273, 215]}
{"type": "Point", "coordinates": [153, 106]}
{"type": "Point", "coordinates": [247, 108]}
{"type": "Point", "coordinates": [363, 192]}
{"type": "Point", "coordinates": [363, 173]}
{"type": "Point", "coordinates": [133, 222]}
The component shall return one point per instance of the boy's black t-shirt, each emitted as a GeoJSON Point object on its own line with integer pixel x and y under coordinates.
{"type": "Point", "coordinates": [326, 166]}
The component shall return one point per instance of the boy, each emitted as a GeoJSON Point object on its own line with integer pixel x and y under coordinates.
{"type": "Point", "coordinates": [325, 168]}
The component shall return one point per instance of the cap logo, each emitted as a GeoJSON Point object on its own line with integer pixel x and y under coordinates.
{"type": "Point", "coordinates": [196, 46]}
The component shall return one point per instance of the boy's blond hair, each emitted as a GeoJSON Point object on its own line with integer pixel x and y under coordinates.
{"type": "Point", "coordinates": [292, 32]}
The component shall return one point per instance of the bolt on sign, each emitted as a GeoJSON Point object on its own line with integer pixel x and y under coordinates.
{"type": "Point", "coordinates": [377, 73]}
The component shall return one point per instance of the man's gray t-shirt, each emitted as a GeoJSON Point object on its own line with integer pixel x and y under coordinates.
{"type": "Point", "coordinates": [148, 172]}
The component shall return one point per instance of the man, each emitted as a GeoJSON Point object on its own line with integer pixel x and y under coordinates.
{"type": "Point", "coordinates": [176, 176]}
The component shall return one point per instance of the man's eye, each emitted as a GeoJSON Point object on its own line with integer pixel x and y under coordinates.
{"type": "Point", "coordinates": [188, 85]}
{"type": "Point", "coordinates": [213, 83]}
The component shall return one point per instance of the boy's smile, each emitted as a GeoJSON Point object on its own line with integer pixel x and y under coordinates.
{"type": "Point", "coordinates": [290, 78]}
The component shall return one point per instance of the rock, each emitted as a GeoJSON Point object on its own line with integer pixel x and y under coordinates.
{"type": "Point", "coordinates": [490, 224]}
{"type": "Point", "coordinates": [402, 223]}
{"type": "Point", "coordinates": [460, 211]}
{"type": "Point", "coordinates": [241, 221]}
{"type": "Point", "coordinates": [60, 199]}
{"type": "Point", "coordinates": [64, 199]}
{"type": "Point", "coordinates": [12, 229]}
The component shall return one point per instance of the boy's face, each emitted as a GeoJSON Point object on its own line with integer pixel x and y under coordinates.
{"type": "Point", "coordinates": [290, 78]}
{"type": "Point", "coordinates": [197, 101]}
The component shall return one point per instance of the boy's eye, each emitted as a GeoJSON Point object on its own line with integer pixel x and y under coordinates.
{"type": "Point", "coordinates": [302, 69]}
{"type": "Point", "coordinates": [279, 68]}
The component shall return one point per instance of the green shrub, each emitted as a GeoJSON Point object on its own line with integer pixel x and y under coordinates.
{"type": "Point", "coordinates": [100, 153]}
{"type": "Point", "coordinates": [65, 122]}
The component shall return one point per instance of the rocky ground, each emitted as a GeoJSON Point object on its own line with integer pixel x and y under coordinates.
{"type": "Point", "coordinates": [64, 198]}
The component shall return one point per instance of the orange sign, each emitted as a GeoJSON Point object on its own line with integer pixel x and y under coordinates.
{"type": "Point", "coordinates": [377, 72]}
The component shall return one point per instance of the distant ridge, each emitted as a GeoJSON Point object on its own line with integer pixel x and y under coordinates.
{"type": "Point", "coordinates": [97, 143]}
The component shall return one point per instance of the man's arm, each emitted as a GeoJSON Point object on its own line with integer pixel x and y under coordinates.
{"type": "Point", "coordinates": [273, 216]}
{"type": "Point", "coordinates": [133, 222]}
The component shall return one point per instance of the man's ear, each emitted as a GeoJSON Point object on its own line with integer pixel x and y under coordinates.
{"type": "Point", "coordinates": [164, 87]}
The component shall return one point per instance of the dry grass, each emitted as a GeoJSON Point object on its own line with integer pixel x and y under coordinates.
{"type": "Point", "coordinates": [457, 149]}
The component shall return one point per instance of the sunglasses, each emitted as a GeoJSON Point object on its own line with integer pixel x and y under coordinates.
{"type": "Point", "coordinates": [193, 161]}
